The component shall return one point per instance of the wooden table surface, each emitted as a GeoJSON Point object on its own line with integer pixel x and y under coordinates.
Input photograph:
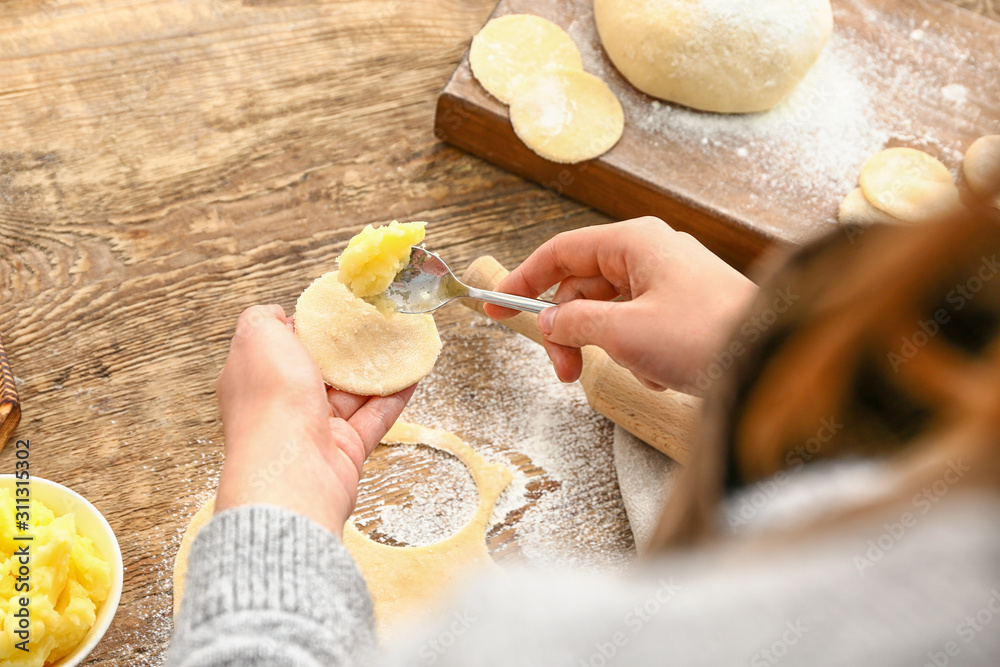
{"type": "Point", "coordinates": [163, 165]}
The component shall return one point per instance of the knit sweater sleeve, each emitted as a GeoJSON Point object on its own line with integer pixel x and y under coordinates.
{"type": "Point", "coordinates": [266, 586]}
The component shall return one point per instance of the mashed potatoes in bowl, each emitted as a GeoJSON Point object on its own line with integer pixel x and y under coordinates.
{"type": "Point", "coordinates": [66, 594]}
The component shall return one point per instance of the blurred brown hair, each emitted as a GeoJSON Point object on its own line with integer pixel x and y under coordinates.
{"type": "Point", "coordinates": [893, 338]}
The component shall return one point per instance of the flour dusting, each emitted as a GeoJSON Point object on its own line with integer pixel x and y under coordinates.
{"type": "Point", "coordinates": [796, 162]}
{"type": "Point", "coordinates": [497, 391]}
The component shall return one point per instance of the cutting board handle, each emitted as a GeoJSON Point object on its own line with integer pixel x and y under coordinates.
{"type": "Point", "coordinates": [665, 420]}
{"type": "Point", "coordinates": [10, 406]}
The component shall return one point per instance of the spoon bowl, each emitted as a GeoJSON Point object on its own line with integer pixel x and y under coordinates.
{"type": "Point", "coordinates": [426, 283]}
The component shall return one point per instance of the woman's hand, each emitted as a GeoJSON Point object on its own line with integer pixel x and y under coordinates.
{"type": "Point", "coordinates": [678, 303]}
{"type": "Point", "coordinates": [292, 441]}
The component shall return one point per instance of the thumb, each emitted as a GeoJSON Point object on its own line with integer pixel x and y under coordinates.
{"type": "Point", "coordinates": [579, 322]}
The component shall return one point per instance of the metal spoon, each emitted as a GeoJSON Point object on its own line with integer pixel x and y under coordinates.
{"type": "Point", "coordinates": [426, 284]}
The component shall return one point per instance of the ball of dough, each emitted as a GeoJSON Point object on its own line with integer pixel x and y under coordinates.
{"type": "Point", "coordinates": [358, 348]}
{"type": "Point", "coordinates": [981, 167]}
{"type": "Point", "coordinates": [729, 56]}
{"type": "Point", "coordinates": [909, 184]}
{"type": "Point", "coordinates": [566, 115]}
{"type": "Point", "coordinates": [511, 48]}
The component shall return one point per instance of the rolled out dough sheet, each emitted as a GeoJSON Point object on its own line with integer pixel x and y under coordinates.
{"type": "Point", "coordinates": [405, 582]}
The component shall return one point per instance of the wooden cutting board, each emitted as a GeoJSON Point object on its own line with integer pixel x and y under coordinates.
{"type": "Point", "coordinates": [10, 407]}
{"type": "Point", "coordinates": [895, 73]}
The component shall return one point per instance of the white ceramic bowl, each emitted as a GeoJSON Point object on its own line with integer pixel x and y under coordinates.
{"type": "Point", "coordinates": [89, 523]}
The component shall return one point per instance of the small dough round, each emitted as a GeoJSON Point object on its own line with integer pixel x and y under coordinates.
{"type": "Point", "coordinates": [513, 47]}
{"type": "Point", "coordinates": [728, 56]}
{"type": "Point", "coordinates": [856, 210]}
{"type": "Point", "coordinates": [566, 115]}
{"type": "Point", "coordinates": [359, 349]}
{"type": "Point", "coordinates": [981, 167]}
{"type": "Point", "coordinates": [909, 184]}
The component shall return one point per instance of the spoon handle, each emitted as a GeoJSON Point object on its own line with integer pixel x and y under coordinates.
{"type": "Point", "coordinates": [509, 300]}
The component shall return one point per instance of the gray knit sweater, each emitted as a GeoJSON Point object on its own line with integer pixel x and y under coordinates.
{"type": "Point", "coordinates": [269, 587]}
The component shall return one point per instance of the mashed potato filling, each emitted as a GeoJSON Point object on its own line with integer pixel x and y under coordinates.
{"type": "Point", "coordinates": [374, 257]}
{"type": "Point", "coordinates": [68, 582]}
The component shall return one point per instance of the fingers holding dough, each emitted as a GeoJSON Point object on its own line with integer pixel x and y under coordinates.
{"type": "Point", "coordinates": [909, 185]}
{"type": "Point", "coordinates": [981, 167]}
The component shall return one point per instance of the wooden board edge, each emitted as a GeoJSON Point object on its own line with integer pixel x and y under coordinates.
{"type": "Point", "coordinates": [10, 405]}
{"type": "Point", "coordinates": [629, 196]}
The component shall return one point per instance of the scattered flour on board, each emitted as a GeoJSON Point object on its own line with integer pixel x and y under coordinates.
{"type": "Point", "coordinates": [141, 632]}
{"type": "Point", "coordinates": [803, 156]}
{"type": "Point", "coordinates": [563, 507]}
{"type": "Point", "coordinates": [811, 146]}
{"type": "Point", "coordinates": [955, 92]}
{"type": "Point", "coordinates": [497, 391]}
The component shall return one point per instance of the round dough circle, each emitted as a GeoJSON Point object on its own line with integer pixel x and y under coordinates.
{"type": "Point", "coordinates": [981, 167]}
{"type": "Point", "coordinates": [357, 348]}
{"type": "Point", "coordinates": [513, 47]}
{"type": "Point", "coordinates": [908, 184]}
{"type": "Point", "coordinates": [856, 210]}
{"type": "Point", "coordinates": [567, 115]}
{"type": "Point", "coordinates": [729, 56]}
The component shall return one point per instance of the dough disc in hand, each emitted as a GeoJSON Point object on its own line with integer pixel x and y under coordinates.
{"type": "Point", "coordinates": [357, 348]}
{"type": "Point", "coordinates": [511, 48]}
{"type": "Point", "coordinates": [908, 184]}
{"type": "Point", "coordinates": [567, 115]}
{"type": "Point", "coordinates": [856, 210]}
{"type": "Point", "coordinates": [982, 167]}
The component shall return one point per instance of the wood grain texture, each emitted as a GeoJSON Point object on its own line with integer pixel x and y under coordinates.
{"type": "Point", "coordinates": [167, 163]}
{"type": "Point", "coordinates": [10, 406]}
{"type": "Point", "coordinates": [895, 73]}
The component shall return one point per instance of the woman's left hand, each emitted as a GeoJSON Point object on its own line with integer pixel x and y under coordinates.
{"type": "Point", "coordinates": [292, 441]}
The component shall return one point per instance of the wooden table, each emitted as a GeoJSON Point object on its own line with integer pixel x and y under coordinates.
{"type": "Point", "coordinates": [167, 163]}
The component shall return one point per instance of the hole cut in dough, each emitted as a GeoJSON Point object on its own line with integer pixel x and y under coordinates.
{"type": "Point", "coordinates": [405, 582]}
{"type": "Point", "coordinates": [438, 498]}
{"type": "Point", "coordinates": [981, 167]}
{"type": "Point", "coordinates": [358, 348]}
{"type": "Point", "coordinates": [511, 48]}
{"type": "Point", "coordinates": [909, 185]}
{"type": "Point", "coordinates": [566, 116]}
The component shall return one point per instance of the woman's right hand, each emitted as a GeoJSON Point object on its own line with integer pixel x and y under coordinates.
{"type": "Point", "coordinates": [679, 301]}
